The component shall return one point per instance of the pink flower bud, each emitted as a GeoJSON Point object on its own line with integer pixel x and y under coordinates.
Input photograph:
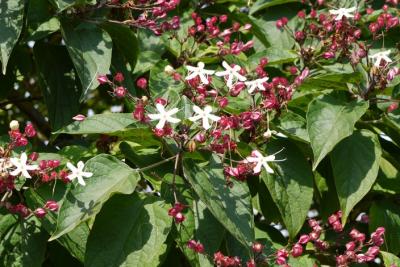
{"type": "Point", "coordinates": [223, 18]}
{"type": "Point", "coordinates": [304, 239]}
{"type": "Point", "coordinates": [251, 263]}
{"type": "Point", "coordinates": [51, 205]}
{"type": "Point", "coordinates": [102, 79]}
{"type": "Point", "coordinates": [281, 260]}
{"type": "Point", "coordinates": [33, 156]}
{"type": "Point", "coordinates": [257, 247]}
{"type": "Point", "coordinates": [119, 77]}
{"type": "Point", "coordinates": [299, 35]}
{"type": "Point", "coordinates": [200, 137]}
{"type": "Point", "coordinates": [351, 245]}
{"type": "Point", "coordinates": [393, 107]}
{"type": "Point", "coordinates": [247, 26]}
{"type": "Point", "coordinates": [380, 231]}
{"type": "Point", "coordinates": [341, 260]}
{"type": "Point", "coordinates": [328, 55]}
{"type": "Point", "coordinates": [141, 83]}
{"type": "Point", "coordinates": [30, 130]}
{"type": "Point", "coordinates": [179, 217]}
{"type": "Point", "coordinates": [79, 117]}
{"type": "Point", "coordinates": [120, 92]}
{"type": "Point", "coordinates": [223, 102]}
{"type": "Point", "coordinates": [40, 212]}
{"type": "Point", "coordinates": [373, 251]}
{"type": "Point", "coordinates": [199, 248]}
{"type": "Point", "coordinates": [297, 250]}
{"type": "Point", "coordinates": [43, 164]}
{"type": "Point", "coordinates": [161, 101]}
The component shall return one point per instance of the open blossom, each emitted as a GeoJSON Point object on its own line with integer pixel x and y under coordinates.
{"type": "Point", "coordinates": [256, 84]}
{"type": "Point", "coordinates": [204, 115]}
{"type": "Point", "coordinates": [200, 72]}
{"type": "Point", "coordinates": [21, 166]}
{"type": "Point", "coordinates": [384, 55]}
{"type": "Point", "coordinates": [231, 74]}
{"type": "Point", "coordinates": [78, 173]}
{"type": "Point", "coordinates": [343, 12]}
{"type": "Point", "coordinates": [261, 161]}
{"type": "Point", "coordinates": [164, 116]}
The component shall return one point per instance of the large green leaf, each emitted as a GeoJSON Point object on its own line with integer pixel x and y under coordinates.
{"type": "Point", "coordinates": [125, 40]}
{"type": "Point", "coordinates": [387, 214]}
{"type": "Point", "coordinates": [291, 186]}
{"type": "Point", "coordinates": [64, 4]}
{"type": "Point", "coordinates": [90, 49]}
{"type": "Point", "coordinates": [163, 85]}
{"type": "Point", "coordinates": [23, 245]}
{"type": "Point", "coordinates": [355, 164]}
{"type": "Point", "coordinates": [209, 232]}
{"type": "Point", "coordinates": [119, 124]}
{"type": "Point", "coordinates": [330, 119]}
{"type": "Point", "coordinates": [74, 241]}
{"type": "Point", "coordinates": [110, 176]}
{"type": "Point", "coordinates": [11, 22]}
{"type": "Point", "coordinates": [230, 206]}
{"type": "Point", "coordinates": [390, 259]}
{"type": "Point", "coordinates": [276, 56]}
{"type": "Point", "coordinates": [263, 4]}
{"type": "Point", "coordinates": [388, 180]}
{"type": "Point", "coordinates": [294, 126]}
{"type": "Point", "coordinates": [129, 231]}
{"type": "Point", "coordinates": [59, 87]}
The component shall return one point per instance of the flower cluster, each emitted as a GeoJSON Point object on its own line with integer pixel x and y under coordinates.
{"type": "Point", "coordinates": [213, 30]}
{"type": "Point", "coordinates": [176, 212]}
{"type": "Point", "coordinates": [152, 14]}
{"type": "Point", "coordinates": [15, 167]}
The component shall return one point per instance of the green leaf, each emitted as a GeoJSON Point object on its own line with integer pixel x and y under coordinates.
{"type": "Point", "coordinates": [390, 259]}
{"type": "Point", "coordinates": [110, 176]}
{"type": "Point", "coordinates": [294, 126]}
{"type": "Point", "coordinates": [90, 49]}
{"type": "Point", "coordinates": [276, 56]}
{"type": "Point", "coordinates": [163, 85]}
{"type": "Point", "coordinates": [330, 119]}
{"type": "Point", "coordinates": [59, 87]}
{"type": "Point", "coordinates": [11, 22]}
{"type": "Point", "coordinates": [291, 186]}
{"type": "Point", "coordinates": [24, 245]}
{"type": "Point", "coordinates": [279, 39]}
{"type": "Point", "coordinates": [388, 180]}
{"type": "Point", "coordinates": [209, 232]}
{"type": "Point", "coordinates": [125, 40]}
{"type": "Point", "coordinates": [387, 214]}
{"type": "Point", "coordinates": [355, 164]}
{"type": "Point", "coordinates": [45, 29]}
{"type": "Point", "coordinates": [263, 4]}
{"type": "Point", "coordinates": [129, 231]}
{"type": "Point", "coordinates": [230, 206]}
{"type": "Point", "coordinates": [64, 4]}
{"type": "Point", "coordinates": [74, 241]}
{"type": "Point", "coordinates": [119, 124]}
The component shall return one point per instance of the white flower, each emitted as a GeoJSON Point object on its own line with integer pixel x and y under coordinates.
{"type": "Point", "coordinates": [164, 116]}
{"type": "Point", "coordinates": [342, 12]}
{"type": "Point", "coordinates": [381, 56]}
{"type": "Point", "coordinates": [204, 115]}
{"type": "Point", "coordinates": [257, 157]}
{"type": "Point", "coordinates": [256, 84]}
{"type": "Point", "coordinates": [232, 74]}
{"type": "Point", "coordinates": [199, 71]}
{"type": "Point", "coordinates": [77, 172]}
{"type": "Point", "coordinates": [21, 166]}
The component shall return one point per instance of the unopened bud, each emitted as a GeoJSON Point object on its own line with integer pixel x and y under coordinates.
{"type": "Point", "coordinates": [169, 69]}
{"type": "Point", "coordinates": [14, 125]}
{"type": "Point", "coordinates": [191, 146]}
{"type": "Point", "coordinates": [267, 134]}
